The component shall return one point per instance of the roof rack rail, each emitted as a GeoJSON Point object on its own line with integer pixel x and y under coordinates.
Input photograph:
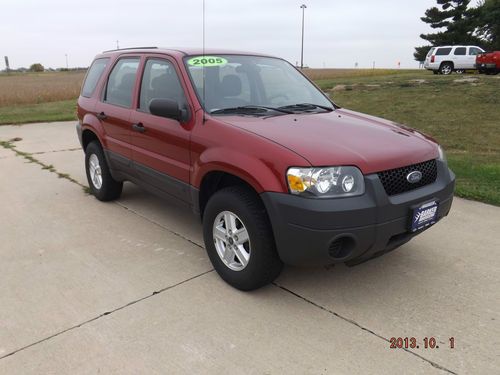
{"type": "Point", "coordinates": [124, 49]}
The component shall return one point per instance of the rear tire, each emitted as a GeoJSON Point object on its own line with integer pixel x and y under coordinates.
{"type": "Point", "coordinates": [249, 261]}
{"type": "Point", "coordinates": [446, 68]}
{"type": "Point", "coordinates": [101, 183]}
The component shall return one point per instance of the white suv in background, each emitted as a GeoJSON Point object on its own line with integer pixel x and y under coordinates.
{"type": "Point", "coordinates": [447, 59]}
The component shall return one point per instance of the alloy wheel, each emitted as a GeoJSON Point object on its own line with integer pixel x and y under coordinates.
{"type": "Point", "coordinates": [95, 171]}
{"type": "Point", "coordinates": [231, 240]}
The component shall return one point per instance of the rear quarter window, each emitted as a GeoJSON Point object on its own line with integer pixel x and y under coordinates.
{"type": "Point", "coordinates": [93, 76]}
{"type": "Point", "coordinates": [443, 51]}
{"type": "Point", "coordinates": [460, 51]}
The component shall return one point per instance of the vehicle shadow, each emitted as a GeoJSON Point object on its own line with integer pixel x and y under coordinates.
{"type": "Point", "coordinates": [171, 214]}
{"type": "Point", "coordinates": [395, 268]}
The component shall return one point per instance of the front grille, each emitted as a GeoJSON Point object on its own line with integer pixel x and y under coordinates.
{"type": "Point", "coordinates": [395, 182]}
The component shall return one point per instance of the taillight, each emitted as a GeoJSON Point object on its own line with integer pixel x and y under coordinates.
{"type": "Point", "coordinates": [432, 58]}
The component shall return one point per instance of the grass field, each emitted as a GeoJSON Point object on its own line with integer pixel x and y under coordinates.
{"type": "Point", "coordinates": [39, 97]}
{"type": "Point", "coordinates": [461, 112]}
{"type": "Point", "coordinates": [43, 112]}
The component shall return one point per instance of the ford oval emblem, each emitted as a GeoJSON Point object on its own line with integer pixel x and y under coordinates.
{"type": "Point", "coordinates": [414, 177]}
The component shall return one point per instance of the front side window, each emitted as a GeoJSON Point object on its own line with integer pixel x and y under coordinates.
{"type": "Point", "coordinates": [475, 51]}
{"type": "Point", "coordinates": [460, 51]}
{"type": "Point", "coordinates": [443, 51]}
{"type": "Point", "coordinates": [232, 81]}
{"type": "Point", "coordinates": [93, 76]}
{"type": "Point", "coordinates": [121, 82]}
{"type": "Point", "coordinates": [160, 81]}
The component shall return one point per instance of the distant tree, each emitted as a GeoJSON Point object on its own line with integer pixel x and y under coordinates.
{"type": "Point", "coordinates": [37, 67]}
{"type": "Point", "coordinates": [458, 23]}
{"type": "Point", "coordinates": [487, 20]}
{"type": "Point", "coordinates": [421, 53]}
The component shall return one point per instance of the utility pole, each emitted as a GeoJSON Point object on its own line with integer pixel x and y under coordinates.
{"type": "Point", "coordinates": [67, 66]}
{"type": "Point", "coordinates": [303, 7]}
{"type": "Point", "coordinates": [7, 66]}
{"type": "Point", "coordinates": [117, 45]}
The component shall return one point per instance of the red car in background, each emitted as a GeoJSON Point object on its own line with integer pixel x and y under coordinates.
{"type": "Point", "coordinates": [488, 63]}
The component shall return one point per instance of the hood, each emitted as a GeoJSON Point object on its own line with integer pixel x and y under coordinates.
{"type": "Point", "coordinates": [343, 137]}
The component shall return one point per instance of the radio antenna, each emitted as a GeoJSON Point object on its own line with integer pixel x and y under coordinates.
{"type": "Point", "coordinates": [203, 67]}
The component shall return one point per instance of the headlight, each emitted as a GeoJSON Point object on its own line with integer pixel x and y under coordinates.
{"type": "Point", "coordinates": [442, 155]}
{"type": "Point", "coordinates": [328, 182]}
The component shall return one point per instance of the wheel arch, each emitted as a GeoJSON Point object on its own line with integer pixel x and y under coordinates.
{"type": "Point", "coordinates": [447, 62]}
{"type": "Point", "coordinates": [216, 180]}
{"type": "Point", "coordinates": [91, 130]}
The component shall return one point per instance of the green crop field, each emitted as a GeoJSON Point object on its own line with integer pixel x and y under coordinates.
{"type": "Point", "coordinates": [462, 112]}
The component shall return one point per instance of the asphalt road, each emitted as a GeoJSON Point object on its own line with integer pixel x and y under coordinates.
{"type": "Point", "coordinates": [126, 287]}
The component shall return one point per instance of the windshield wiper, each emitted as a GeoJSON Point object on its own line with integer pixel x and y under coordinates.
{"type": "Point", "coordinates": [250, 109]}
{"type": "Point", "coordinates": [305, 107]}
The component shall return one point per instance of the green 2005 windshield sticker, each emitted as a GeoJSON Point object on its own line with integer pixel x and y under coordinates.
{"type": "Point", "coordinates": [207, 61]}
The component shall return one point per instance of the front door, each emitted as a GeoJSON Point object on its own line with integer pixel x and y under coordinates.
{"type": "Point", "coordinates": [161, 145]}
{"type": "Point", "coordinates": [471, 57]}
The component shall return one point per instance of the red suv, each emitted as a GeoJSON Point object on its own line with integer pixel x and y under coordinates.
{"type": "Point", "coordinates": [277, 172]}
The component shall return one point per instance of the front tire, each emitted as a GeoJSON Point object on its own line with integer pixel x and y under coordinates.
{"type": "Point", "coordinates": [239, 239]}
{"type": "Point", "coordinates": [101, 183]}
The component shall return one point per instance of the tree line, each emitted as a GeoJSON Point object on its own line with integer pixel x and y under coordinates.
{"type": "Point", "coordinates": [456, 22]}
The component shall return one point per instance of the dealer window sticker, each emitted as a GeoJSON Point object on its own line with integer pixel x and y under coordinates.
{"type": "Point", "coordinates": [207, 61]}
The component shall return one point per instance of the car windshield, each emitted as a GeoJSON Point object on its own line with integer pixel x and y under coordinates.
{"type": "Point", "coordinates": [255, 85]}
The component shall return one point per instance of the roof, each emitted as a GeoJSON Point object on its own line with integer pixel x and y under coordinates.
{"type": "Point", "coordinates": [180, 52]}
{"type": "Point", "coordinates": [457, 45]}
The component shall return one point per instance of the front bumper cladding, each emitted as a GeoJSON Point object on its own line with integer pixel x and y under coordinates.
{"type": "Point", "coordinates": [304, 229]}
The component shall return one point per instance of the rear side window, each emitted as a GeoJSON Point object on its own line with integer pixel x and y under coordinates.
{"type": "Point", "coordinates": [93, 76]}
{"type": "Point", "coordinates": [121, 82]}
{"type": "Point", "coordinates": [443, 51]}
{"type": "Point", "coordinates": [460, 51]}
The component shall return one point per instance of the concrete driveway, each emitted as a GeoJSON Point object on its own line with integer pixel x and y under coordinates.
{"type": "Point", "coordinates": [126, 287]}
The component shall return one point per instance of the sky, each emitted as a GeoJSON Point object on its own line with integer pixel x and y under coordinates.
{"type": "Point", "coordinates": [338, 33]}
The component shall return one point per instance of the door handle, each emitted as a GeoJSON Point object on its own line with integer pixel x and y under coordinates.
{"type": "Point", "coordinates": [101, 116]}
{"type": "Point", "coordinates": [139, 127]}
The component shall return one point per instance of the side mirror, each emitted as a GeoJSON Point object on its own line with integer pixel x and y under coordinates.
{"type": "Point", "coordinates": [167, 108]}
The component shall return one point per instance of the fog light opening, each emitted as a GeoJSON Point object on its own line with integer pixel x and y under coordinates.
{"type": "Point", "coordinates": [341, 247]}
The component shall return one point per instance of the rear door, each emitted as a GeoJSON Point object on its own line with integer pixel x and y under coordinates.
{"type": "Point", "coordinates": [442, 54]}
{"type": "Point", "coordinates": [114, 111]}
{"type": "Point", "coordinates": [460, 58]}
{"type": "Point", "coordinates": [161, 145]}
